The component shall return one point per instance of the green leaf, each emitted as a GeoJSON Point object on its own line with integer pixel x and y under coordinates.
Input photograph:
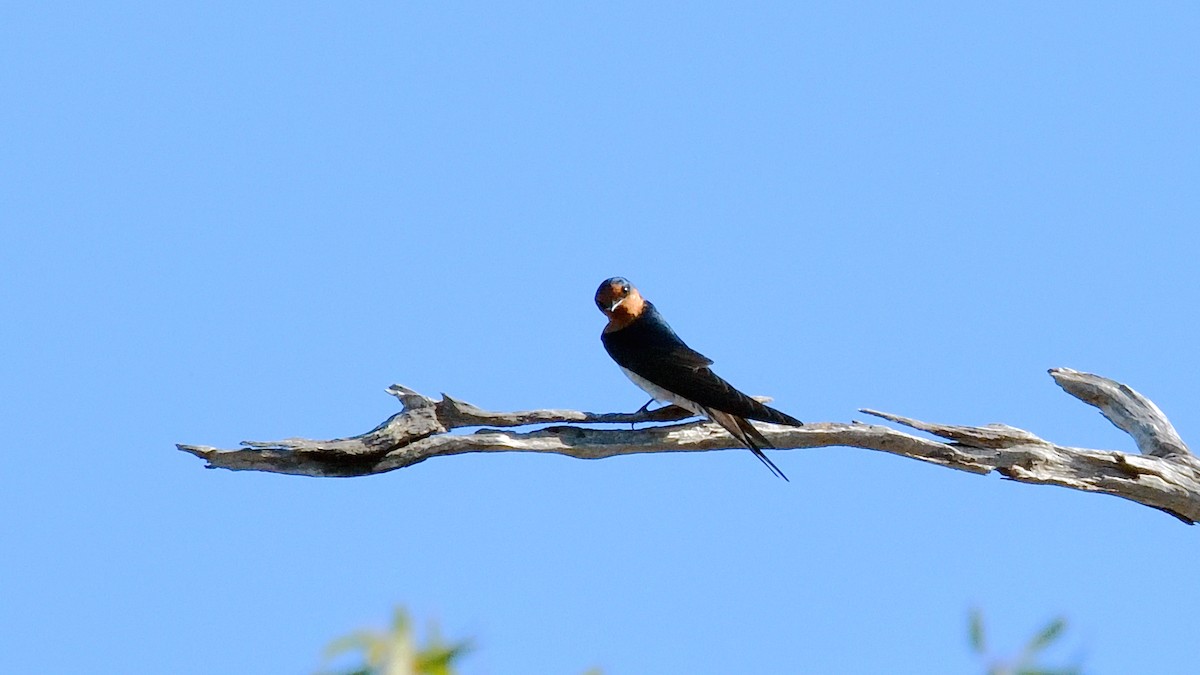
{"type": "Point", "coordinates": [1047, 636]}
{"type": "Point", "coordinates": [978, 642]}
{"type": "Point", "coordinates": [440, 660]}
{"type": "Point", "coordinates": [358, 641]}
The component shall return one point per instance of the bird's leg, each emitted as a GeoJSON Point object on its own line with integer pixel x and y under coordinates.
{"type": "Point", "coordinates": [633, 425]}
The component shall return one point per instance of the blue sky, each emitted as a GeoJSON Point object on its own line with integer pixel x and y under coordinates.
{"type": "Point", "coordinates": [224, 222]}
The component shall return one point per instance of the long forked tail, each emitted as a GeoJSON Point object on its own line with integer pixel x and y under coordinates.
{"type": "Point", "coordinates": [747, 435]}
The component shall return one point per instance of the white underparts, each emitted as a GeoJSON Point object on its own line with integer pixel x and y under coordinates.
{"type": "Point", "coordinates": [661, 394]}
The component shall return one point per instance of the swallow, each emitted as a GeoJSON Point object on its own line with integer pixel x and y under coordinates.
{"type": "Point", "coordinates": [639, 339]}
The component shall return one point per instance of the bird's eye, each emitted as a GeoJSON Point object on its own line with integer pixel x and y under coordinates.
{"type": "Point", "coordinates": [625, 289]}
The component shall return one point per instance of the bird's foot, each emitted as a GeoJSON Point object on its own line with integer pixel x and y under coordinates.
{"type": "Point", "coordinates": [633, 425]}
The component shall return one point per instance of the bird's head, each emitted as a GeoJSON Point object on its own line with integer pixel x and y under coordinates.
{"type": "Point", "coordinates": [619, 300]}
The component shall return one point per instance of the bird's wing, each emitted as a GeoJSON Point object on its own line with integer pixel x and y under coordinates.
{"type": "Point", "coordinates": [747, 435]}
{"type": "Point", "coordinates": [649, 348]}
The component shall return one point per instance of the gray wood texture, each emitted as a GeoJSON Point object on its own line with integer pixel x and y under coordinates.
{"type": "Point", "coordinates": [1165, 475]}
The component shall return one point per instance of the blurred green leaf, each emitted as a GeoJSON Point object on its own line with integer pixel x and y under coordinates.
{"type": "Point", "coordinates": [394, 651]}
{"type": "Point", "coordinates": [357, 641]}
{"type": "Point", "coordinates": [978, 643]}
{"type": "Point", "coordinates": [438, 660]}
{"type": "Point", "coordinates": [1026, 663]}
{"type": "Point", "coordinates": [1048, 635]}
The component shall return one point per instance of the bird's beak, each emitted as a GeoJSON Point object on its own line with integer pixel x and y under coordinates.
{"type": "Point", "coordinates": [616, 303]}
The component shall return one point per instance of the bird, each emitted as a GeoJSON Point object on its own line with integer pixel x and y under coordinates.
{"type": "Point", "coordinates": [650, 354]}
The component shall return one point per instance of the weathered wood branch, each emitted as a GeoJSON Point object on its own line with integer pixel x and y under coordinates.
{"type": "Point", "coordinates": [1165, 475]}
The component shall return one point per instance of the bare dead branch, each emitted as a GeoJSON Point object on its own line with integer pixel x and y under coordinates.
{"type": "Point", "coordinates": [1131, 412]}
{"type": "Point", "coordinates": [1165, 476]}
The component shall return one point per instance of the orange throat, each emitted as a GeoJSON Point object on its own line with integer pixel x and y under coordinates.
{"type": "Point", "coordinates": [626, 312]}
